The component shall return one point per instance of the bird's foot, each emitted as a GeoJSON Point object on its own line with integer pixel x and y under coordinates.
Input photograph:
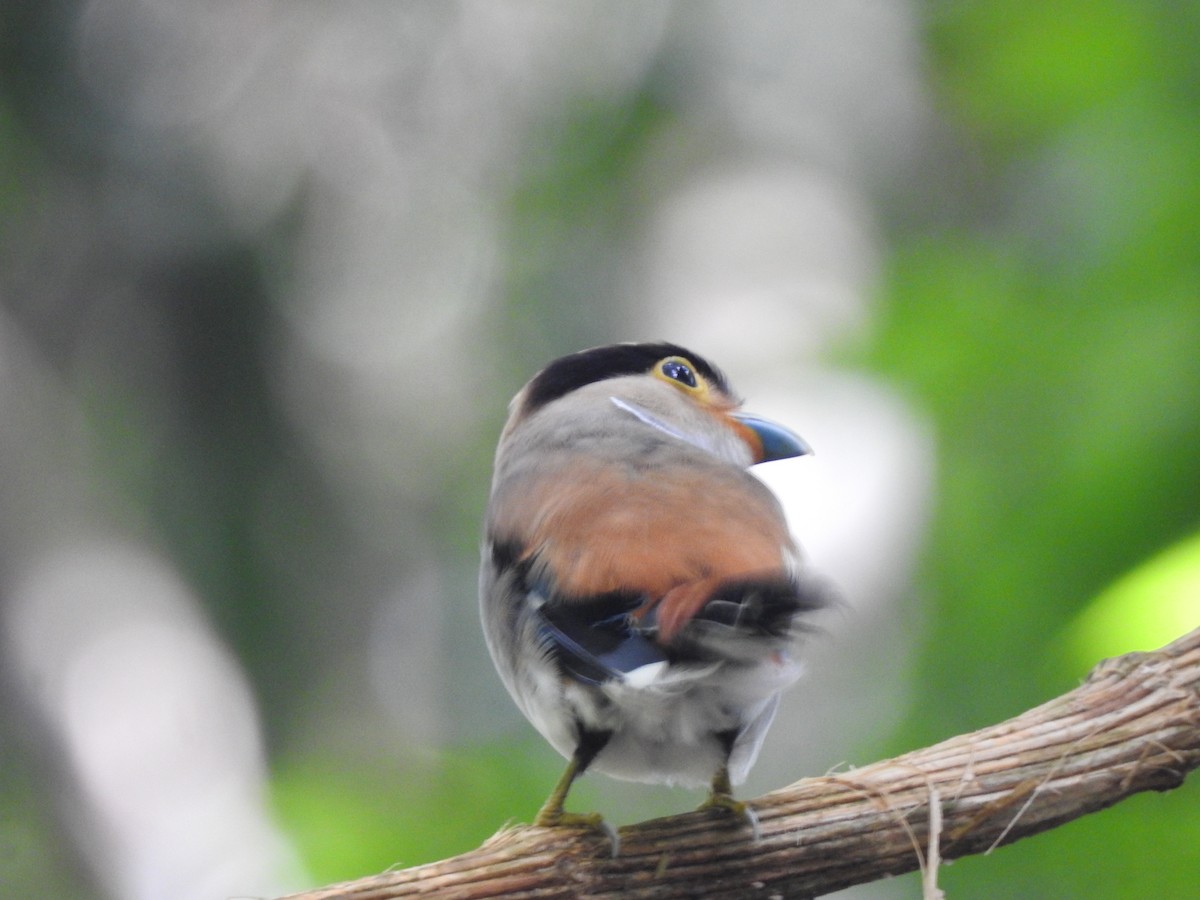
{"type": "Point", "coordinates": [549, 817]}
{"type": "Point", "coordinates": [739, 809]}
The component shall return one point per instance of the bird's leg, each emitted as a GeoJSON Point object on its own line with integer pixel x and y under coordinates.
{"type": "Point", "coordinates": [721, 793]}
{"type": "Point", "coordinates": [552, 813]}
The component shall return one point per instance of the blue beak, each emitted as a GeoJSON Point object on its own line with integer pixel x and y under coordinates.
{"type": "Point", "coordinates": [777, 442]}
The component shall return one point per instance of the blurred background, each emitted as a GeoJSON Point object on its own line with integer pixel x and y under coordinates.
{"type": "Point", "coordinates": [270, 272]}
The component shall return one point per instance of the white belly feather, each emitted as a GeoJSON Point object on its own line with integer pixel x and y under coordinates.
{"type": "Point", "coordinates": [664, 719]}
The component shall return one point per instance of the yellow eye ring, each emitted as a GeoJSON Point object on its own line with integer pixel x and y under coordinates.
{"type": "Point", "coordinates": [680, 373]}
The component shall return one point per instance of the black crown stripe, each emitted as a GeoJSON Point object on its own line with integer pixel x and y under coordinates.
{"type": "Point", "coordinates": [569, 373]}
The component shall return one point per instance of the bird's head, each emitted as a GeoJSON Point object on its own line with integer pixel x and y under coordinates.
{"type": "Point", "coordinates": [661, 387]}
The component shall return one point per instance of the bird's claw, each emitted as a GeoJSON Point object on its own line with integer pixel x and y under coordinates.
{"type": "Point", "coordinates": [737, 808]}
{"type": "Point", "coordinates": [591, 821]}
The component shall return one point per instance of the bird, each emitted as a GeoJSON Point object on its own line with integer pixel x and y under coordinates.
{"type": "Point", "coordinates": [640, 590]}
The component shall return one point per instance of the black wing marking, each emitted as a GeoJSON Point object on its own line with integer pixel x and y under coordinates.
{"type": "Point", "coordinates": [759, 606]}
{"type": "Point", "coordinates": [746, 618]}
{"type": "Point", "coordinates": [596, 640]}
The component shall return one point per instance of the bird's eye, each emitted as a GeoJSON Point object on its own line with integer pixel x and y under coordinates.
{"type": "Point", "coordinates": [680, 370]}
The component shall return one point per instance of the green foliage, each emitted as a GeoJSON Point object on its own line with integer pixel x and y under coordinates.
{"type": "Point", "coordinates": [1045, 318]}
{"type": "Point", "coordinates": [1017, 71]}
{"type": "Point", "coordinates": [1055, 342]}
{"type": "Point", "coordinates": [34, 862]}
{"type": "Point", "coordinates": [1149, 607]}
{"type": "Point", "coordinates": [347, 821]}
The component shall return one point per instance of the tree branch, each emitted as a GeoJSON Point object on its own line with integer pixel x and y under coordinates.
{"type": "Point", "coordinates": [1133, 725]}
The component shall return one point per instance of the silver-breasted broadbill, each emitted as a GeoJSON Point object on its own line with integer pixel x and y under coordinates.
{"type": "Point", "coordinates": [640, 590]}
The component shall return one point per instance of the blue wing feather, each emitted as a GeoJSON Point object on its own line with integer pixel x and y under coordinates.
{"type": "Point", "coordinates": [597, 640]}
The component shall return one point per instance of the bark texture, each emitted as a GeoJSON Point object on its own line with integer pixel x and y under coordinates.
{"type": "Point", "coordinates": [1133, 726]}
